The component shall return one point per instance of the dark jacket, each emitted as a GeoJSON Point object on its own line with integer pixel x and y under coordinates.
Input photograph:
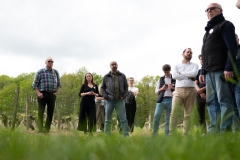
{"type": "Point", "coordinates": [219, 45]}
{"type": "Point", "coordinates": [214, 49]}
{"type": "Point", "coordinates": [162, 82]}
{"type": "Point", "coordinates": [108, 86]}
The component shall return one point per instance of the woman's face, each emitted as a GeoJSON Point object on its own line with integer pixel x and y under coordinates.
{"type": "Point", "coordinates": [88, 77]}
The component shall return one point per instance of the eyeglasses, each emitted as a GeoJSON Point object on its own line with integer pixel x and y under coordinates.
{"type": "Point", "coordinates": [50, 61]}
{"type": "Point", "coordinates": [211, 8]}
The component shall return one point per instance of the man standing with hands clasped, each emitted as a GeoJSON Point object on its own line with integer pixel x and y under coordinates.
{"type": "Point", "coordinates": [219, 50]}
{"type": "Point", "coordinates": [114, 90]}
{"type": "Point", "coordinates": [46, 84]}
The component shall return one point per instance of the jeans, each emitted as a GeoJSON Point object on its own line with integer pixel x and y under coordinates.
{"type": "Point", "coordinates": [119, 106]}
{"type": "Point", "coordinates": [219, 101]}
{"type": "Point", "coordinates": [160, 107]}
{"type": "Point", "coordinates": [49, 100]}
{"type": "Point", "coordinates": [236, 120]}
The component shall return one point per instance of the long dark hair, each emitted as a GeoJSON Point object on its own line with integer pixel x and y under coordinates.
{"type": "Point", "coordinates": [85, 79]}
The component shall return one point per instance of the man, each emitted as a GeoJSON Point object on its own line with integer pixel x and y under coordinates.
{"type": "Point", "coordinates": [218, 53]}
{"type": "Point", "coordinates": [201, 100]}
{"type": "Point", "coordinates": [130, 104]}
{"type": "Point", "coordinates": [185, 92]}
{"type": "Point", "coordinates": [236, 89]}
{"type": "Point", "coordinates": [114, 89]}
{"type": "Point", "coordinates": [164, 88]}
{"type": "Point", "coordinates": [46, 84]}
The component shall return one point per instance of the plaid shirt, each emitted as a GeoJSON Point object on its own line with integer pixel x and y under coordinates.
{"type": "Point", "coordinates": [46, 80]}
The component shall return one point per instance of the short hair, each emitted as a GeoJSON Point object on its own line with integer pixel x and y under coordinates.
{"type": "Point", "coordinates": [186, 49]}
{"type": "Point", "coordinates": [166, 67]}
{"type": "Point", "coordinates": [199, 56]}
{"type": "Point", "coordinates": [130, 78]}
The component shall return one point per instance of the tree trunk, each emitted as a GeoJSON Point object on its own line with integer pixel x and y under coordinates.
{"type": "Point", "coordinates": [59, 119]}
{"type": "Point", "coordinates": [15, 109]}
{"type": "Point", "coordinates": [27, 118]}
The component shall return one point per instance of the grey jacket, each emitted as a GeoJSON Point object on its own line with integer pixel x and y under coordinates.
{"type": "Point", "coordinates": [108, 86]}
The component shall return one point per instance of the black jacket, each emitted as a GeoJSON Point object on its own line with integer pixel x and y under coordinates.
{"type": "Point", "coordinates": [108, 86]}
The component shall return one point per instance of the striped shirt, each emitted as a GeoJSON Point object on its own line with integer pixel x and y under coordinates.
{"type": "Point", "coordinates": [46, 80]}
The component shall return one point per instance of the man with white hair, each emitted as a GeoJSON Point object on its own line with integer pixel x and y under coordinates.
{"type": "Point", "coordinates": [219, 50]}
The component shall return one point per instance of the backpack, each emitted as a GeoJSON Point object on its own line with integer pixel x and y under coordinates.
{"type": "Point", "coordinates": [130, 97]}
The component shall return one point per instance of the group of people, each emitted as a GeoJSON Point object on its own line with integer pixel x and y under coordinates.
{"type": "Point", "coordinates": [97, 103]}
{"type": "Point", "coordinates": [215, 85]}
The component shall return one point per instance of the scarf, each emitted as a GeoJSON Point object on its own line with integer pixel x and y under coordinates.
{"type": "Point", "coordinates": [214, 21]}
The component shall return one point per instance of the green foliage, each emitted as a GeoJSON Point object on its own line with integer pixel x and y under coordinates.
{"type": "Point", "coordinates": [4, 80]}
{"type": "Point", "coordinates": [146, 100]}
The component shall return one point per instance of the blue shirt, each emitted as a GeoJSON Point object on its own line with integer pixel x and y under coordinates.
{"type": "Point", "coordinates": [46, 80]}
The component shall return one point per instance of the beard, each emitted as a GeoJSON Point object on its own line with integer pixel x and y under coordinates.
{"type": "Point", "coordinates": [188, 57]}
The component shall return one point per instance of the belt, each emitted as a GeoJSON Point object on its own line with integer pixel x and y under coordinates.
{"type": "Point", "coordinates": [48, 91]}
{"type": "Point", "coordinates": [167, 97]}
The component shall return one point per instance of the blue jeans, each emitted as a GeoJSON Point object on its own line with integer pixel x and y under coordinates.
{"type": "Point", "coordinates": [236, 121]}
{"type": "Point", "coordinates": [219, 101]}
{"type": "Point", "coordinates": [119, 105]}
{"type": "Point", "coordinates": [165, 104]}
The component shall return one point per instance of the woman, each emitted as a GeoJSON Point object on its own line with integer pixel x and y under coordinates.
{"type": "Point", "coordinates": [87, 114]}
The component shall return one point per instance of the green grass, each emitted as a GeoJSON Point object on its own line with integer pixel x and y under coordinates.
{"type": "Point", "coordinates": [29, 145]}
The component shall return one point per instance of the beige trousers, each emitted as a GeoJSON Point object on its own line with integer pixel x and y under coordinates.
{"type": "Point", "coordinates": [183, 98]}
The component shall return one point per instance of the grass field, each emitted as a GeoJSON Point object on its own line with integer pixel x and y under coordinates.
{"type": "Point", "coordinates": [29, 145]}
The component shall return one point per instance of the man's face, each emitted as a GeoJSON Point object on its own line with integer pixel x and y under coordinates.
{"type": "Point", "coordinates": [113, 66]}
{"type": "Point", "coordinates": [131, 81]}
{"type": "Point", "coordinates": [213, 10]}
{"type": "Point", "coordinates": [49, 63]}
{"type": "Point", "coordinates": [167, 73]}
{"type": "Point", "coordinates": [187, 54]}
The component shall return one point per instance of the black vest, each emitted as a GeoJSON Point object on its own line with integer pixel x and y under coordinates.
{"type": "Point", "coordinates": [214, 49]}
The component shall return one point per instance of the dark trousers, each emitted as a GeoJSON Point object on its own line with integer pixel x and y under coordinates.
{"type": "Point", "coordinates": [130, 114]}
{"type": "Point", "coordinates": [201, 105]}
{"type": "Point", "coordinates": [49, 100]}
{"type": "Point", "coordinates": [87, 119]}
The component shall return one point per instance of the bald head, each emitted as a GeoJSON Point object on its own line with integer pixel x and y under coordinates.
{"type": "Point", "coordinates": [213, 10]}
{"type": "Point", "coordinates": [113, 66]}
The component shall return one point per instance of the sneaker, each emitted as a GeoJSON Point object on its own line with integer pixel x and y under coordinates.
{"type": "Point", "coordinates": [99, 130]}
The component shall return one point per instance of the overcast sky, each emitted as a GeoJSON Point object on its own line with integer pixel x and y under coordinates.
{"type": "Point", "coordinates": [141, 35]}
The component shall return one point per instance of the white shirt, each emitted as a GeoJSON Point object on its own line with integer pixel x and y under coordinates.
{"type": "Point", "coordinates": [133, 89]}
{"type": "Point", "coordinates": [182, 71]}
{"type": "Point", "coordinates": [168, 91]}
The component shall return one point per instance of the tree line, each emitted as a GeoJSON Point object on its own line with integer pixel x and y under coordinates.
{"type": "Point", "coordinates": [68, 101]}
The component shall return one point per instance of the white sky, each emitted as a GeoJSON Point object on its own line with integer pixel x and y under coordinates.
{"type": "Point", "coordinates": [141, 35]}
